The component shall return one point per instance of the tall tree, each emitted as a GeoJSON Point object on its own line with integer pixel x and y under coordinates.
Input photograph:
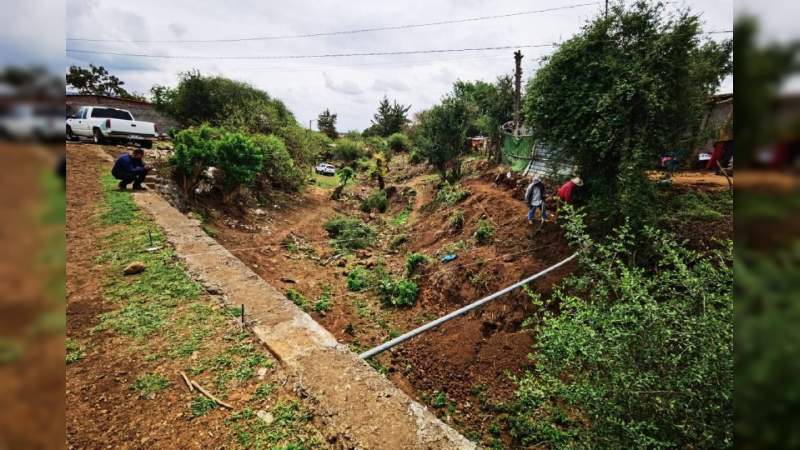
{"type": "Point", "coordinates": [326, 123]}
{"type": "Point", "coordinates": [390, 118]}
{"type": "Point", "coordinates": [97, 81]}
{"type": "Point", "coordinates": [441, 136]}
{"type": "Point", "coordinates": [489, 105]}
{"type": "Point", "coordinates": [627, 88]}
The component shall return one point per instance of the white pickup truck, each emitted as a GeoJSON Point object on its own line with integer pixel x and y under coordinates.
{"type": "Point", "coordinates": [104, 124]}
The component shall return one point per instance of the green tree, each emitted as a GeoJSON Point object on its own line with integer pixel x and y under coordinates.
{"type": "Point", "coordinates": [349, 151]}
{"type": "Point", "coordinates": [279, 170]}
{"type": "Point", "coordinates": [326, 123]}
{"type": "Point", "coordinates": [195, 149]}
{"type": "Point", "coordinates": [240, 162]}
{"type": "Point", "coordinates": [96, 80]}
{"type": "Point", "coordinates": [627, 88]}
{"type": "Point", "coordinates": [390, 118]}
{"type": "Point", "coordinates": [490, 105]}
{"type": "Point", "coordinates": [441, 136]}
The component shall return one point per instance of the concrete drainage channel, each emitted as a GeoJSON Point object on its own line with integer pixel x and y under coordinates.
{"type": "Point", "coordinates": [359, 407]}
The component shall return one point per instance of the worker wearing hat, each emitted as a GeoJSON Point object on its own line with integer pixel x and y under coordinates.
{"type": "Point", "coordinates": [565, 191]}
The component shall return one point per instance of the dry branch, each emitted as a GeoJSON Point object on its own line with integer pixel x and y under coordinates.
{"type": "Point", "coordinates": [209, 395]}
{"type": "Point", "coordinates": [188, 383]}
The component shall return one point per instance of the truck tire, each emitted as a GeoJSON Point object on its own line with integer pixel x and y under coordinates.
{"type": "Point", "coordinates": [97, 137]}
{"type": "Point", "coordinates": [147, 144]}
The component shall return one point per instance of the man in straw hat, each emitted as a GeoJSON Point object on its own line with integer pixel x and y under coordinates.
{"type": "Point", "coordinates": [565, 191]}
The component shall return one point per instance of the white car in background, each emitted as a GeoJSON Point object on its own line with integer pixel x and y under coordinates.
{"type": "Point", "coordinates": [23, 121]}
{"type": "Point", "coordinates": [104, 124]}
{"type": "Point", "coordinates": [325, 169]}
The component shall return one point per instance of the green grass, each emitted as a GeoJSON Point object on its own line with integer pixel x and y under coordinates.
{"type": "Point", "coordinates": [402, 218]}
{"type": "Point", "coordinates": [74, 351]}
{"type": "Point", "coordinates": [149, 384]}
{"type": "Point", "coordinates": [702, 206]}
{"type": "Point", "coordinates": [297, 298]}
{"type": "Point", "coordinates": [349, 233]}
{"type": "Point", "coordinates": [201, 405]}
{"type": "Point", "coordinates": [484, 233]}
{"type": "Point", "coordinates": [289, 429]}
{"type": "Point", "coordinates": [323, 303]}
{"type": "Point", "coordinates": [325, 182]}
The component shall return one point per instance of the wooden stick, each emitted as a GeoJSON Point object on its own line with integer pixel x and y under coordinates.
{"type": "Point", "coordinates": [188, 383]}
{"type": "Point", "coordinates": [208, 394]}
{"type": "Point", "coordinates": [725, 172]}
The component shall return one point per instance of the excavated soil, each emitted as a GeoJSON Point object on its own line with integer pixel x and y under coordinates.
{"type": "Point", "coordinates": [471, 357]}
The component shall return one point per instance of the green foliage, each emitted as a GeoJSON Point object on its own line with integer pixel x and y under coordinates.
{"type": "Point", "coordinates": [240, 161]}
{"type": "Point", "coordinates": [349, 233]}
{"type": "Point", "coordinates": [201, 405]}
{"type": "Point", "coordinates": [149, 384]}
{"type": "Point", "coordinates": [615, 96]}
{"type": "Point", "coordinates": [402, 218]}
{"type": "Point", "coordinates": [489, 106]}
{"type": "Point", "coordinates": [402, 292]}
{"type": "Point", "coordinates": [220, 101]}
{"type": "Point", "coordinates": [96, 80]}
{"type": "Point", "coordinates": [376, 201]}
{"type": "Point", "coordinates": [326, 123]}
{"type": "Point", "coordinates": [279, 169]}
{"type": "Point", "coordinates": [358, 279]}
{"type": "Point", "coordinates": [450, 194]}
{"type": "Point", "coordinates": [641, 353]}
{"type": "Point", "coordinates": [297, 298]}
{"type": "Point", "coordinates": [74, 351]}
{"type": "Point", "coordinates": [414, 261]}
{"type": "Point", "coordinates": [415, 157]}
{"type": "Point", "coordinates": [457, 220]}
{"type": "Point", "coordinates": [484, 233]}
{"type": "Point", "coordinates": [398, 142]}
{"type": "Point", "coordinates": [348, 150]}
{"type": "Point", "coordinates": [194, 151]}
{"type": "Point", "coordinates": [441, 136]}
{"type": "Point", "coordinates": [701, 206]}
{"type": "Point", "coordinates": [323, 303]}
{"type": "Point", "coordinates": [303, 145]}
{"type": "Point", "coordinates": [345, 174]}
{"type": "Point", "coordinates": [439, 399]}
{"type": "Point", "coordinates": [391, 118]}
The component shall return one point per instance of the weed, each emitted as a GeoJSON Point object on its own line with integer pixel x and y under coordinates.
{"type": "Point", "coordinates": [210, 230]}
{"type": "Point", "coordinates": [450, 194]}
{"type": "Point", "coordinates": [457, 220]}
{"type": "Point", "coordinates": [414, 261]}
{"type": "Point", "coordinates": [484, 232]}
{"type": "Point", "coordinates": [149, 384]}
{"type": "Point", "coordinates": [398, 241]}
{"type": "Point", "coordinates": [402, 218]}
{"type": "Point", "coordinates": [376, 201]}
{"type": "Point", "coordinates": [358, 279]}
{"type": "Point", "coordinates": [75, 351]}
{"type": "Point", "coordinates": [439, 399]}
{"type": "Point", "coordinates": [452, 248]}
{"type": "Point", "coordinates": [401, 292]}
{"type": "Point", "coordinates": [296, 298]}
{"type": "Point", "coordinates": [349, 233]}
{"type": "Point", "coordinates": [701, 206]}
{"type": "Point", "coordinates": [263, 391]}
{"type": "Point", "coordinates": [201, 405]}
{"type": "Point", "coordinates": [323, 303]}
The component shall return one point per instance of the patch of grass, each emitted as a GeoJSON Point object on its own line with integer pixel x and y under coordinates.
{"type": "Point", "coordinates": [402, 218]}
{"type": "Point", "coordinates": [452, 248]}
{"type": "Point", "coordinates": [349, 233]}
{"type": "Point", "coordinates": [297, 298]}
{"type": "Point", "coordinates": [323, 303]}
{"type": "Point", "coordinates": [484, 233]}
{"type": "Point", "coordinates": [149, 384]}
{"type": "Point", "coordinates": [201, 405]}
{"type": "Point", "coordinates": [358, 279]}
{"type": "Point", "coordinates": [210, 230]}
{"type": "Point", "coordinates": [450, 194]}
{"type": "Point", "coordinates": [120, 208]}
{"type": "Point", "coordinates": [414, 261]}
{"type": "Point", "coordinates": [457, 220]}
{"type": "Point", "coordinates": [325, 182]}
{"type": "Point", "coordinates": [702, 206]}
{"type": "Point", "coordinates": [263, 391]}
{"type": "Point", "coordinates": [402, 292]}
{"type": "Point", "coordinates": [10, 350]}
{"type": "Point", "coordinates": [290, 428]}
{"type": "Point", "coordinates": [398, 241]}
{"type": "Point", "coordinates": [439, 399]}
{"type": "Point", "coordinates": [376, 201]}
{"type": "Point", "coordinates": [75, 351]}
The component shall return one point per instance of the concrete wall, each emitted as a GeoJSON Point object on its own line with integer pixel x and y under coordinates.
{"type": "Point", "coordinates": [141, 110]}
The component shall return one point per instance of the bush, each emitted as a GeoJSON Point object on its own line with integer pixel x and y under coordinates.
{"type": "Point", "coordinates": [414, 261]}
{"type": "Point", "coordinates": [484, 232]}
{"type": "Point", "coordinates": [296, 298]}
{"type": "Point", "coordinates": [278, 167]}
{"type": "Point", "coordinates": [323, 303]}
{"type": "Point", "coordinates": [194, 151]}
{"type": "Point", "coordinates": [349, 233]}
{"type": "Point", "coordinates": [239, 161]}
{"type": "Point", "coordinates": [415, 157]}
{"type": "Point", "coordinates": [398, 142]}
{"type": "Point", "coordinates": [450, 194]}
{"type": "Point", "coordinates": [401, 292]}
{"type": "Point", "coordinates": [457, 220]}
{"type": "Point", "coordinates": [348, 150]}
{"type": "Point", "coordinates": [441, 136]}
{"type": "Point", "coordinates": [358, 279]}
{"type": "Point", "coordinates": [639, 356]}
{"type": "Point", "coordinates": [376, 201]}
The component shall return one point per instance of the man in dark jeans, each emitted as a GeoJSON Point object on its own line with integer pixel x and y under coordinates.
{"type": "Point", "coordinates": [129, 168]}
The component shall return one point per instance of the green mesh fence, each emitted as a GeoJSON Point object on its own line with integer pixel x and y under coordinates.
{"type": "Point", "coordinates": [517, 151]}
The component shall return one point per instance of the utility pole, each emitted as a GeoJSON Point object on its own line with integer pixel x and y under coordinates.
{"type": "Point", "coordinates": [517, 90]}
{"type": "Point", "coordinates": [606, 8]}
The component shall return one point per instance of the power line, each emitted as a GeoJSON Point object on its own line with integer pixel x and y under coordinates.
{"type": "Point", "coordinates": [328, 55]}
{"type": "Point", "coordinates": [341, 32]}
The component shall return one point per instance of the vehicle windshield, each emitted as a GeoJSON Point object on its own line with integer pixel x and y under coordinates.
{"type": "Point", "coordinates": [111, 113]}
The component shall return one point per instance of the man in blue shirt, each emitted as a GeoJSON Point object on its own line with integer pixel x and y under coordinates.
{"type": "Point", "coordinates": [129, 168]}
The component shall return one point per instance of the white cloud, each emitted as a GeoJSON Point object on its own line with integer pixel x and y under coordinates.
{"type": "Point", "coordinates": [347, 87]}
{"type": "Point", "coordinates": [178, 29]}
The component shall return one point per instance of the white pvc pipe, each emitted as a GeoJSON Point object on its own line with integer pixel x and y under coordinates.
{"type": "Point", "coordinates": [389, 344]}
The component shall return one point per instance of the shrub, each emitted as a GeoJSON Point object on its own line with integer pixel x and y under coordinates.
{"type": "Point", "coordinates": [348, 150]}
{"type": "Point", "coordinates": [398, 142]}
{"type": "Point", "coordinates": [239, 160]}
{"type": "Point", "coordinates": [414, 261]}
{"type": "Point", "coordinates": [640, 355]}
{"type": "Point", "coordinates": [457, 220]}
{"type": "Point", "coordinates": [194, 151]}
{"type": "Point", "coordinates": [442, 136]}
{"type": "Point", "coordinates": [323, 303]}
{"type": "Point", "coordinates": [358, 279]}
{"type": "Point", "coordinates": [296, 298]}
{"type": "Point", "coordinates": [278, 168]}
{"type": "Point", "coordinates": [349, 233]}
{"type": "Point", "coordinates": [402, 292]}
{"type": "Point", "coordinates": [415, 157]}
{"type": "Point", "coordinates": [398, 241]}
{"type": "Point", "coordinates": [484, 232]}
{"type": "Point", "coordinates": [450, 194]}
{"type": "Point", "coordinates": [376, 201]}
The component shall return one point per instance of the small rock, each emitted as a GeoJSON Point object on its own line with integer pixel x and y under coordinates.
{"type": "Point", "coordinates": [288, 280]}
{"type": "Point", "coordinates": [134, 268]}
{"type": "Point", "coordinates": [259, 212]}
{"type": "Point", "coordinates": [262, 372]}
{"type": "Point", "coordinates": [214, 290]}
{"type": "Point", "coordinates": [265, 416]}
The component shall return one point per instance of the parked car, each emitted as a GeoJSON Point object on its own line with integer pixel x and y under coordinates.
{"type": "Point", "coordinates": [104, 124]}
{"type": "Point", "coordinates": [23, 121]}
{"type": "Point", "coordinates": [325, 169]}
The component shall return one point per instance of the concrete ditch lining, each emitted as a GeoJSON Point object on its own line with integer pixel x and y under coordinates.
{"type": "Point", "coordinates": [360, 408]}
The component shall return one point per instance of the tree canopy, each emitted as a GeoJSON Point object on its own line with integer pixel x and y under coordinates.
{"type": "Point", "coordinates": [326, 123]}
{"type": "Point", "coordinates": [441, 135]}
{"type": "Point", "coordinates": [631, 86]}
{"type": "Point", "coordinates": [96, 80]}
{"type": "Point", "coordinates": [390, 118]}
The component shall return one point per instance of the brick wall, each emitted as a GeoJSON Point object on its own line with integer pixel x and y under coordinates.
{"type": "Point", "coordinates": [141, 110]}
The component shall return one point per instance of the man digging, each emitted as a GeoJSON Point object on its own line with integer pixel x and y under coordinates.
{"type": "Point", "coordinates": [129, 168]}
